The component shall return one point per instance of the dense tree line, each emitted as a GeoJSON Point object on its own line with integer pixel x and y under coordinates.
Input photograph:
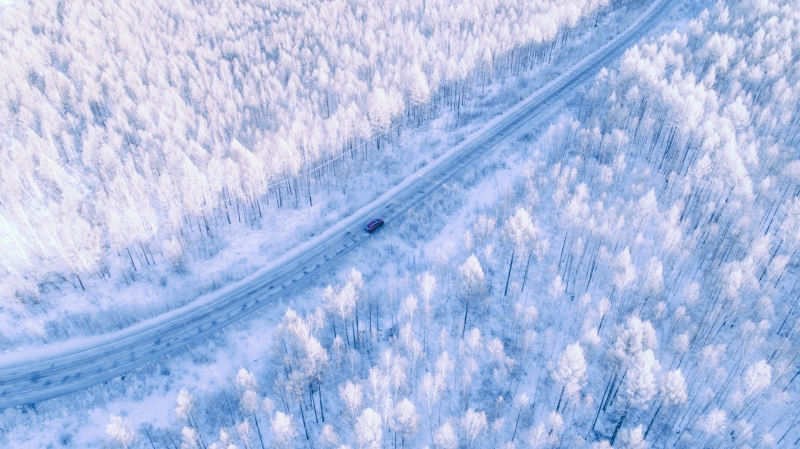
{"type": "Point", "coordinates": [131, 131]}
{"type": "Point", "coordinates": [637, 287]}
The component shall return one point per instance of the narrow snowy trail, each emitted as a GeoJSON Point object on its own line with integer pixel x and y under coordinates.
{"type": "Point", "coordinates": [61, 369]}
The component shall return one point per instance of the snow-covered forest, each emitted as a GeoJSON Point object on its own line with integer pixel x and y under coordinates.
{"type": "Point", "coordinates": [626, 277]}
{"type": "Point", "coordinates": [135, 131]}
{"type": "Point", "coordinates": [634, 285]}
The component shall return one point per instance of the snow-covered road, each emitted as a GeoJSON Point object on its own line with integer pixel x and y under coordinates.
{"type": "Point", "coordinates": [60, 369]}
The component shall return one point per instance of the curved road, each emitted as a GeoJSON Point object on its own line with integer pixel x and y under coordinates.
{"type": "Point", "coordinates": [68, 367]}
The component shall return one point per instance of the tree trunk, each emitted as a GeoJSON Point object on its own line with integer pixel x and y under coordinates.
{"type": "Point", "coordinates": [513, 435]}
{"type": "Point", "coordinates": [131, 256]}
{"type": "Point", "coordinates": [346, 334]}
{"type": "Point", "coordinates": [619, 425]}
{"type": "Point", "coordinates": [80, 281]}
{"type": "Point", "coordinates": [230, 410]}
{"type": "Point", "coordinates": [653, 420]}
{"type": "Point", "coordinates": [560, 397]}
{"type": "Point", "coordinates": [261, 440]}
{"type": "Point", "coordinates": [352, 327]}
{"type": "Point", "coordinates": [510, 266]}
{"type": "Point", "coordinates": [150, 439]}
{"type": "Point", "coordinates": [319, 391]}
{"type": "Point", "coordinates": [313, 404]}
{"type": "Point", "coordinates": [193, 422]}
{"type": "Point", "coordinates": [466, 312]}
{"type": "Point", "coordinates": [303, 415]}
{"type": "Point", "coordinates": [525, 277]}
{"type": "Point", "coordinates": [357, 330]}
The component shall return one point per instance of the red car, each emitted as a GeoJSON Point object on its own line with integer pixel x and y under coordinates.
{"type": "Point", "coordinates": [373, 225]}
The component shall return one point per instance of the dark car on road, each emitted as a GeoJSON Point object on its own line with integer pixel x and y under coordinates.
{"type": "Point", "coordinates": [373, 225]}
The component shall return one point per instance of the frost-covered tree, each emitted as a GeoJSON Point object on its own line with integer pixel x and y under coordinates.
{"type": "Point", "coordinates": [445, 437]}
{"type": "Point", "coordinates": [427, 286]}
{"type": "Point", "coordinates": [625, 272]}
{"type": "Point", "coordinates": [570, 372]}
{"type": "Point", "coordinates": [409, 306]}
{"type": "Point", "coordinates": [283, 428]}
{"type": "Point", "coordinates": [189, 438]}
{"type": "Point", "coordinates": [673, 393]}
{"type": "Point", "coordinates": [405, 419]}
{"type": "Point", "coordinates": [521, 232]}
{"type": "Point", "coordinates": [521, 404]}
{"type": "Point", "coordinates": [369, 429]}
{"type": "Point", "coordinates": [120, 431]}
{"type": "Point", "coordinates": [250, 403]}
{"type": "Point", "coordinates": [352, 396]}
{"type": "Point", "coordinates": [634, 438]}
{"type": "Point", "coordinates": [341, 302]}
{"type": "Point", "coordinates": [713, 423]}
{"type": "Point", "coordinates": [757, 377]}
{"type": "Point", "coordinates": [329, 436]}
{"type": "Point", "coordinates": [472, 278]}
{"type": "Point", "coordinates": [474, 424]}
{"type": "Point", "coordinates": [185, 410]}
{"type": "Point", "coordinates": [636, 336]}
{"type": "Point", "coordinates": [431, 390]}
{"type": "Point", "coordinates": [640, 385]}
{"type": "Point", "coordinates": [225, 441]}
